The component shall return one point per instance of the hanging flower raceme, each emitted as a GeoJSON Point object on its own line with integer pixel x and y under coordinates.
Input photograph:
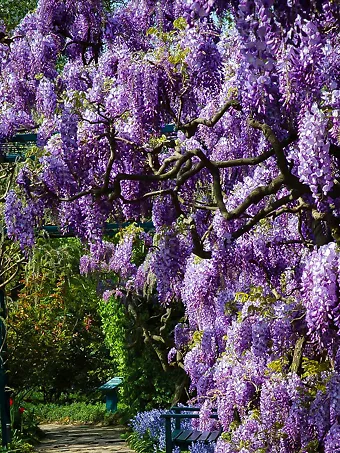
{"type": "Point", "coordinates": [320, 286]}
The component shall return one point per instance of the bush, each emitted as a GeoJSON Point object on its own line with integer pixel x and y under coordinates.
{"type": "Point", "coordinates": [146, 382]}
{"type": "Point", "coordinates": [18, 445]}
{"type": "Point", "coordinates": [148, 433]}
{"type": "Point", "coordinates": [74, 413]}
{"type": "Point", "coordinates": [54, 329]}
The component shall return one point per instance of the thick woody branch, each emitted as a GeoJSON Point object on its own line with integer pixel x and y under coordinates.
{"type": "Point", "coordinates": [110, 137]}
{"type": "Point", "coordinates": [276, 145]}
{"type": "Point", "coordinates": [169, 160]}
{"type": "Point", "coordinates": [190, 128]}
{"type": "Point", "coordinates": [256, 196]}
{"type": "Point", "coordinates": [78, 195]}
{"type": "Point", "coordinates": [182, 169]}
{"type": "Point", "coordinates": [165, 320]}
{"type": "Point", "coordinates": [297, 356]}
{"type": "Point", "coordinates": [188, 174]}
{"type": "Point", "coordinates": [291, 180]}
{"type": "Point", "coordinates": [217, 188]}
{"type": "Point", "coordinates": [198, 249]}
{"type": "Point", "coordinates": [205, 207]}
{"type": "Point", "coordinates": [292, 210]}
{"type": "Point", "coordinates": [243, 161]}
{"type": "Point", "coordinates": [262, 214]}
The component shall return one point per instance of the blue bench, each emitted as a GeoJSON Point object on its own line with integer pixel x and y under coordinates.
{"type": "Point", "coordinates": [184, 437]}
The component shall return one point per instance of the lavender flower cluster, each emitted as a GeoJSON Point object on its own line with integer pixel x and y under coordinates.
{"type": "Point", "coordinates": [244, 195]}
{"type": "Point", "coordinates": [150, 423]}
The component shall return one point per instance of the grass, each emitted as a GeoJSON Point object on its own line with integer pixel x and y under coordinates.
{"type": "Point", "coordinates": [25, 430]}
{"type": "Point", "coordinates": [140, 445]}
{"type": "Point", "coordinates": [78, 412]}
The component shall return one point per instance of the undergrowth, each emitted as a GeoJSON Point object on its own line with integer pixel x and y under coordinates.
{"type": "Point", "coordinates": [78, 412]}
{"type": "Point", "coordinates": [140, 445]}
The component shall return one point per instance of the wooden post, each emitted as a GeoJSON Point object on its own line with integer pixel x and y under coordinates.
{"type": "Point", "coordinates": [168, 438]}
{"type": "Point", "coordinates": [177, 420]}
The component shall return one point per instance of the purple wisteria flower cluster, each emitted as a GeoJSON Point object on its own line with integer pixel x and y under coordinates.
{"type": "Point", "coordinates": [220, 122]}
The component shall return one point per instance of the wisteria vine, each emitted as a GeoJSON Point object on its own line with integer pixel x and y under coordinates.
{"type": "Point", "coordinates": [218, 120]}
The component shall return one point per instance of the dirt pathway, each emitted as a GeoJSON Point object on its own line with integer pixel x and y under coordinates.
{"type": "Point", "coordinates": [82, 438]}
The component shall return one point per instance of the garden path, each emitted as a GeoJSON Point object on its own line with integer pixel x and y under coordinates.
{"type": "Point", "coordinates": [82, 438]}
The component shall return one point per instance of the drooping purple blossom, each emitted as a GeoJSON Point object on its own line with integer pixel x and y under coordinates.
{"type": "Point", "coordinates": [99, 98]}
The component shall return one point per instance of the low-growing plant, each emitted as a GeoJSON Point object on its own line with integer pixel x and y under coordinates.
{"type": "Point", "coordinates": [140, 444]}
{"type": "Point", "coordinates": [24, 427]}
{"type": "Point", "coordinates": [148, 433]}
{"type": "Point", "coordinates": [19, 443]}
{"type": "Point", "coordinates": [79, 412]}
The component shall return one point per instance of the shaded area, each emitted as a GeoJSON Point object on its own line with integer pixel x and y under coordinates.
{"type": "Point", "coordinates": [82, 438]}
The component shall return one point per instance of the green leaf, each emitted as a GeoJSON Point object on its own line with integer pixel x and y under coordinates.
{"type": "Point", "coordinates": [313, 367]}
{"type": "Point", "coordinates": [312, 447]}
{"type": "Point", "coordinates": [180, 23]}
{"type": "Point", "coordinates": [152, 31]}
{"type": "Point", "coordinates": [226, 436]}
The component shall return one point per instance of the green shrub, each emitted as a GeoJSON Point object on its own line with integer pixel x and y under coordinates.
{"type": "Point", "coordinates": [140, 445]}
{"type": "Point", "coordinates": [20, 443]}
{"type": "Point", "coordinates": [147, 382]}
{"type": "Point", "coordinates": [54, 329]}
{"type": "Point", "coordinates": [79, 412]}
{"type": "Point", "coordinates": [19, 446]}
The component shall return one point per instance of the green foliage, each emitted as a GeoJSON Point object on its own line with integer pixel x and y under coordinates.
{"type": "Point", "coordinates": [313, 367]}
{"type": "Point", "coordinates": [169, 47]}
{"type": "Point", "coordinates": [18, 445]}
{"type": "Point", "coordinates": [54, 335]}
{"type": "Point", "coordinates": [155, 141]}
{"type": "Point", "coordinates": [312, 447]}
{"type": "Point", "coordinates": [140, 445]}
{"type": "Point", "coordinates": [148, 380]}
{"type": "Point", "coordinates": [79, 412]}
{"type": "Point", "coordinates": [226, 436]}
{"type": "Point", "coordinates": [61, 62]}
{"type": "Point", "coordinates": [112, 313]}
{"type": "Point", "coordinates": [12, 11]}
{"type": "Point", "coordinates": [152, 31]}
{"type": "Point", "coordinates": [196, 339]}
{"type": "Point", "coordinates": [178, 57]}
{"type": "Point", "coordinates": [279, 365]}
{"type": "Point", "coordinates": [180, 23]}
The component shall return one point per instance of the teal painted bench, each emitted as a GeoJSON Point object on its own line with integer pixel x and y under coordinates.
{"type": "Point", "coordinates": [184, 437]}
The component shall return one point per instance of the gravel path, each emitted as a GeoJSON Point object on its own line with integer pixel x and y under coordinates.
{"type": "Point", "coordinates": [82, 438]}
